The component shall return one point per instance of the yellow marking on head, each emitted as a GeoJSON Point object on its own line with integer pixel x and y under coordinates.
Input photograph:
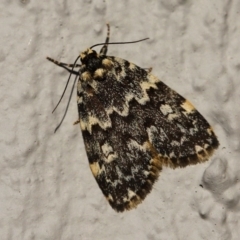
{"type": "Point", "coordinates": [85, 53]}
{"type": "Point", "coordinates": [89, 51]}
{"type": "Point", "coordinates": [82, 55]}
{"type": "Point", "coordinates": [187, 106]}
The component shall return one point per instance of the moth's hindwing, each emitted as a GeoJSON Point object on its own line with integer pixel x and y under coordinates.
{"type": "Point", "coordinates": [133, 125]}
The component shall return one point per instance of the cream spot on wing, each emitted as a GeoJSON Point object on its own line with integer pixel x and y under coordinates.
{"type": "Point", "coordinates": [172, 155]}
{"type": "Point", "coordinates": [198, 148]}
{"type": "Point", "coordinates": [201, 153]}
{"type": "Point", "coordinates": [99, 73]}
{"type": "Point", "coordinates": [95, 169]}
{"type": "Point", "coordinates": [206, 146]}
{"type": "Point", "coordinates": [109, 197]}
{"type": "Point", "coordinates": [175, 143]}
{"type": "Point", "coordinates": [166, 109]}
{"type": "Point", "coordinates": [163, 136]}
{"type": "Point", "coordinates": [183, 139]}
{"type": "Point", "coordinates": [210, 131]}
{"type": "Point", "coordinates": [132, 66]}
{"type": "Point", "coordinates": [125, 108]}
{"type": "Point", "coordinates": [152, 133]}
{"type": "Point", "coordinates": [79, 86]}
{"type": "Point", "coordinates": [146, 173]}
{"type": "Point", "coordinates": [86, 76]}
{"type": "Point", "coordinates": [119, 60]}
{"type": "Point", "coordinates": [147, 85]}
{"type": "Point", "coordinates": [130, 195]}
{"type": "Point", "coordinates": [87, 124]}
{"type": "Point", "coordinates": [107, 63]}
{"type": "Point", "coordinates": [106, 148]}
{"type": "Point", "coordinates": [79, 99]}
{"type": "Point", "coordinates": [110, 155]}
{"type": "Point", "coordinates": [132, 144]}
{"type": "Point", "coordinates": [153, 79]}
{"type": "Point", "coordinates": [187, 106]}
{"type": "Point", "coordinates": [94, 84]}
{"type": "Point", "coordinates": [173, 116]}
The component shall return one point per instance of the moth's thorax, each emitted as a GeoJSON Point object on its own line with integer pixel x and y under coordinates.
{"type": "Point", "coordinates": [91, 59]}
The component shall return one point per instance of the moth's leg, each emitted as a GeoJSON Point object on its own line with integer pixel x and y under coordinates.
{"type": "Point", "coordinates": [70, 65]}
{"type": "Point", "coordinates": [105, 46]}
{"type": "Point", "coordinates": [63, 65]}
{"type": "Point", "coordinates": [149, 69]}
{"type": "Point", "coordinates": [76, 122]}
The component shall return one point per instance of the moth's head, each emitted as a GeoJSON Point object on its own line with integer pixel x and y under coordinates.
{"type": "Point", "coordinates": [91, 60]}
{"type": "Point", "coordinates": [88, 54]}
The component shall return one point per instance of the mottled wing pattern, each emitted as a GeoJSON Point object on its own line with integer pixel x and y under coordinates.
{"type": "Point", "coordinates": [132, 125]}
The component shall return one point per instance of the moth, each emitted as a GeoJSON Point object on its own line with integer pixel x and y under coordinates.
{"type": "Point", "coordinates": [133, 125]}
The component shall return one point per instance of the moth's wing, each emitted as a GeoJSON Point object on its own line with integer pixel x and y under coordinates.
{"type": "Point", "coordinates": [132, 124]}
{"type": "Point", "coordinates": [124, 168]}
{"type": "Point", "coordinates": [184, 137]}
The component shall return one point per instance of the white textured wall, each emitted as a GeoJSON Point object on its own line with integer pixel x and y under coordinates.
{"type": "Point", "coordinates": [46, 188]}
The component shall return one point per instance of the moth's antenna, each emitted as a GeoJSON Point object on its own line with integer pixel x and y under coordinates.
{"type": "Point", "coordinates": [99, 44]}
{"type": "Point", "coordinates": [67, 105]}
{"type": "Point", "coordinates": [66, 85]}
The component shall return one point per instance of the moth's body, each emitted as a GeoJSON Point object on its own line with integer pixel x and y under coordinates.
{"type": "Point", "coordinates": [133, 125]}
